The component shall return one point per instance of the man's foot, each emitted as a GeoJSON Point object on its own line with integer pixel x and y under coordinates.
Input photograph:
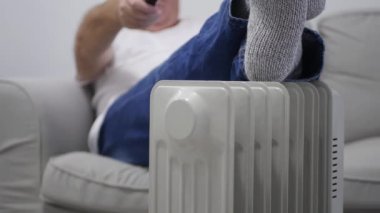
{"type": "Point", "coordinates": [274, 38]}
{"type": "Point", "coordinates": [315, 7]}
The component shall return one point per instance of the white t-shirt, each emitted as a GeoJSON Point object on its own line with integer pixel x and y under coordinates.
{"type": "Point", "coordinates": [137, 53]}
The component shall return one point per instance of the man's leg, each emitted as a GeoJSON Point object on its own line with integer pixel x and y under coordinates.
{"type": "Point", "coordinates": [217, 53]}
{"type": "Point", "coordinates": [208, 56]}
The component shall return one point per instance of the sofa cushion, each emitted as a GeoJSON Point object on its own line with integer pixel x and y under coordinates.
{"type": "Point", "coordinates": [93, 183]}
{"type": "Point", "coordinates": [19, 150]}
{"type": "Point", "coordinates": [362, 174]}
{"type": "Point", "coordinates": [352, 67]}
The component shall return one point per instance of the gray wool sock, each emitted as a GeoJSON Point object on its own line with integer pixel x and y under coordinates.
{"type": "Point", "coordinates": [315, 7]}
{"type": "Point", "coordinates": [274, 38]}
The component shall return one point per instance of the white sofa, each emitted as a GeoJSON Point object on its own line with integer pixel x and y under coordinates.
{"type": "Point", "coordinates": [40, 119]}
{"type": "Point", "coordinates": [352, 67]}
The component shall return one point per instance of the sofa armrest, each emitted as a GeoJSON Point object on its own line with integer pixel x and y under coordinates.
{"type": "Point", "coordinates": [38, 119]}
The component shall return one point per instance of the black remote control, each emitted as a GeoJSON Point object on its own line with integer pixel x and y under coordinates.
{"type": "Point", "coordinates": [151, 2]}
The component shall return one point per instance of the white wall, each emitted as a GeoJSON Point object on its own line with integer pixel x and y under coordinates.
{"type": "Point", "coordinates": [37, 36]}
{"type": "Point", "coordinates": [199, 7]}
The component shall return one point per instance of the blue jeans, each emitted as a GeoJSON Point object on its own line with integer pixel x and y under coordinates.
{"type": "Point", "coordinates": [216, 53]}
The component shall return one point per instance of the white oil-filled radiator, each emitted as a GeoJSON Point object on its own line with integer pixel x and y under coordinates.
{"type": "Point", "coordinates": [245, 147]}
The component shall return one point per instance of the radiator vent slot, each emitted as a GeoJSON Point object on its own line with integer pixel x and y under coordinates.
{"type": "Point", "coordinates": [335, 163]}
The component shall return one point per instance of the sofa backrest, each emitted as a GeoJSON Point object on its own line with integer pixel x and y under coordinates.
{"type": "Point", "coordinates": [352, 67]}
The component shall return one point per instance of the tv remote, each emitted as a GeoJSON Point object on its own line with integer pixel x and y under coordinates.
{"type": "Point", "coordinates": [151, 2]}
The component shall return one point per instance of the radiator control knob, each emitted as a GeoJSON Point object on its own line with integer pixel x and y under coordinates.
{"type": "Point", "coordinates": [184, 115]}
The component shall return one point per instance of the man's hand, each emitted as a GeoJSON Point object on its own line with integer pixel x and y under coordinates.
{"type": "Point", "coordinates": [93, 52]}
{"type": "Point", "coordinates": [137, 14]}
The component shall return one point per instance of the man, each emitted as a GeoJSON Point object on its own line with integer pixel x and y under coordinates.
{"type": "Point", "coordinates": [259, 40]}
{"type": "Point", "coordinates": [101, 25]}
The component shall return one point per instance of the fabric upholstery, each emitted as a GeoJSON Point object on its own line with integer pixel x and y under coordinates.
{"type": "Point", "coordinates": [19, 151]}
{"type": "Point", "coordinates": [352, 67]}
{"type": "Point", "coordinates": [87, 181]}
{"type": "Point", "coordinates": [360, 211]}
{"type": "Point", "coordinates": [38, 119]}
{"type": "Point", "coordinates": [64, 114]}
{"type": "Point", "coordinates": [362, 174]}
{"type": "Point", "coordinates": [47, 208]}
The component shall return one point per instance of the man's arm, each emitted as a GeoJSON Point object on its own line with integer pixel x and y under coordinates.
{"type": "Point", "coordinates": [94, 37]}
{"type": "Point", "coordinates": [99, 28]}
